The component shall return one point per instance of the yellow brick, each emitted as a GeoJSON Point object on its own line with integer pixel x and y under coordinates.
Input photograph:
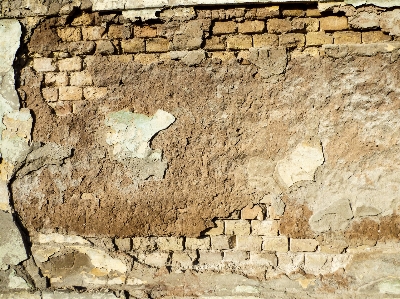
{"type": "Point", "coordinates": [70, 64]}
{"type": "Point", "coordinates": [239, 42]}
{"type": "Point", "coordinates": [279, 26]}
{"type": "Point", "coordinates": [146, 58]}
{"type": "Point", "coordinates": [292, 40]}
{"type": "Point", "coordinates": [144, 31]}
{"type": "Point", "coordinates": [81, 79]}
{"type": "Point", "coordinates": [293, 12]}
{"type": "Point", "coordinates": [93, 33]}
{"type": "Point", "coordinates": [134, 45]}
{"type": "Point", "coordinates": [215, 43]}
{"type": "Point", "coordinates": [308, 24]}
{"type": "Point", "coordinates": [318, 39]}
{"type": "Point", "coordinates": [119, 31]}
{"type": "Point", "coordinates": [251, 27]}
{"type": "Point", "coordinates": [56, 79]}
{"type": "Point", "coordinates": [375, 37]}
{"type": "Point", "coordinates": [224, 27]}
{"type": "Point", "coordinates": [70, 34]}
{"type": "Point", "coordinates": [313, 12]}
{"type": "Point", "coordinates": [50, 94]}
{"type": "Point", "coordinates": [265, 40]}
{"type": "Point", "coordinates": [333, 23]}
{"type": "Point", "coordinates": [157, 45]}
{"type": "Point", "coordinates": [83, 19]}
{"type": "Point", "coordinates": [224, 56]}
{"type": "Point", "coordinates": [265, 12]}
{"type": "Point", "coordinates": [70, 93]}
{"type": "Point", "coordinates": [94, 93]}
{"type": "Point", "coordinates": [347, 37]}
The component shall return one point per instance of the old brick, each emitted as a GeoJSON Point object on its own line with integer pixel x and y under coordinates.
{"type": "Point", "coordinates": [144, 31]}
{"type": "Point", "coordinates": [267, 12]}
{"type": "Point", "coordinates": [374, 37]}
{"type": "Point", "coordinates": [156, 259]}
{"type": "Point", "coordinates": [251, 212]}
{"type": "Point", "coordinates": [70, 93]}
{"type": "Point", "coordinates": [81, 79]}
{"type": "Point", "coordinates": [146, 58]}
{"type": "Point", "coordinates": [70, 64]}
{"type": "Point", "coordinates": [141, 243]}
{"type": "Point", "coordinates": [210, 257]}
{"type": "Point", "coordinates": [83, 19]}
{"type": "Point", "coordinates": [292, 40]}
{"type": "Point", "coordinates": [290, 262]}
{"type": "Point", "coordinates": [305, 24]}
{"type": "Point", "coordinates": [105, 47]}
{"type": "Point", "coordinates": [263, 259]}
{"type": "Point", "coordinates": [315, 262]}
{"type": "Point", "coordinates": [333, 23]}
{"type": "Point", "coordinates": [318, 39]}
{"type": "Point", "coordinates": [279, 26]}
{"type": "Point", "coordinates": [93, 33]}
{"type": "Point", "coordinates": [265, 40]}
{"type": "Point", "coordinates": [119, 31]}
{"type": "Point", "coordinates": [70, 34]}
{"type": "Point", "coordinates": [237, 227]}
{"type": "Point", "coordinates": [56, 79]}
{"type": "Point", "coordinates": [239, 42]}
{"type": "Point", "coordinates": [94, 93]}
{"type": "Point", "coordinates": [224, 27]}
{"type": "Point", "coordinates": [218, 229]}
{"type": "Point", "coordinates": [347, 37]}
{"type": "Point", "coordinates": [313, 12]}
{"type": "Point", "coordinates": [81, 48]}
{"type": "Point", "coordinates": [134, 45]}
{"type": "Point", "coordinates": [223, 56]}
{"type": "Point", "coordinates": [123, 244]}
{"type": "Point", "coordinates": [50, 94]}
{"type": "Point", "coordinates": [243, 57]}
{"type": "Point", "coordinates": [249, 243]}
{"type": "Point", "coordinates": [198, 243]}
{"type": "Point", "coordinates": [389, 22]}
{"type": "Point", "coordinates": [157, 45]}
{"type": "Point", "coordinates": [264, 228]}
{"type": "Point", "coordinates": [222, 242]}
{"type": "Point", "coordinates": [364, 20]}
{"type": "Point", "coordinates": [215, 43]}
{"type": "Point", "coordinates": [43, 65]}
{"type": "Point", "coordinates": [293, 12]}
{"type": "Point", "coordinates": [169, 243]}
{"type": "Point", "coordinates": [279, 244]}
{"type": "Point", "coordinates": [235, 256]}
{"type": "Point", "coordinates": [183, 259]}
{"type": "Point", "coordinates": [301, 245]}
{"type": "Point", "coordinates": [251, 27]}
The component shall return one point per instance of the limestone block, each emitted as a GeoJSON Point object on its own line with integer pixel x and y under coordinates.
{"type": "Point", "coordinates": [134, 45]}
{"type": "Point", "coordinates": [364, 20]}
{"type": "Point", "coordinates": [223, 242]}
{"type": "Point", "coordinates": [389, 22]}
{"type": "Point", "coordinates": [61, 108]}
{"type": "Point", "coordinates": [44, 65]}
{"type": "Point", "coordinates": [105, 47]}
{"type": "Point", "coordinates": [81, 48]}
{"type": "Point", "coordinates": [218, 229]}
{"type": "Point", "coordinates": [12, 248]}
{"type": "Point", "coordinates": [248, 243]}
{"type": "Point", "coordinates": [263, 259]}
{"type": "Point", "coordinates": [146, 58]}
{"type": "Point", "coordinates": [235, 256]}
{"type": "Point", "coordinates": [70, 93]}
{"type": "Point", "coordinates": [251, 27]}
{"type": "Point", "coordinates": [318, 39]}
{"type": "Point", "coordinates": [269, 11]}
{"type": "Point", "coordinates": [301, 245]}
{"type": "Point", "coordinates": [156, 259]}
{"type": "Point", "coordinates": [169, 243]}
{"type": "Point", "coordinates": [4, 197]}
{"type": "Point", "coordinates": [84, 19]}
{"type": "Point", "coordinates": [347, 37]}
{"type": "Point", "coordinates": [70, 64]}
{"type": "Point", "coordinates": [278, 244]}
{"type": "Point", "coordinates": [293, 12]}
{"type": "Point", "coordinates": [251, 212]}
{"type": "Point", "coordinates": [265, 40]}
{"type": "Point", "coordinates": [210, 257]}
{"type": "Point", "coordinates": [144, 244]}
{"type": "Point", "coordinates": [307, 24]}
{"type": "Point", "coordinates": [183, 259]}
{"type": "Point", "coordinates": [224, 56]}
{"type": "Point", "coordinates": [194, 57]}
{"type": "Point", "coordinates": [56, 79]}
{"type": "Point", "coordinates": [189, 36]}
{"type": "Point", "coordinates": [292, 40]}
{"type": "Point", "coordinates": [58, 238]}
{"type": "Point", "coordinates": [21, 295]}
{"type": "Point", "coordinates": [301, 164]}
{"type": "Point", "coordinates": [70, 34]}
{"type": "Point", "coordinates": [239, 42]}
{"type": "Point", "coordinates": [94, 93]}
{"type": "Point", "coordinates": [81, 79]}
{"type": "Point", "coordinates": [264, 228]}
{"type": "Point", "coordinates": [93, 33]}
{"type": "Point", "coordinates": [119, 31]}
{"type": "Point", "coordinates": [220, 28]}
{"type": "Point", "coordinates": [279, 26]}
{"type": "Point", "coordinates": [197, 243]}
{"type": "Point", "coordinates": [333, 23]}
{"type": "Point", "coordinates": [313, 12]}
{"type": "Point", "coordinates": [215, 43]}
{"type": "Point", "coordinates": [290, 262]}
{"type": "Point", "coordinates": [123, 244]}
{"type": "Point", "coordinates": [237, 227]}
{"type": "Point", "coordinates": [157, 45]}
{"type": "Point", "coordinates": [144, 31]}
{"type": "Point", "coordinates": [374, 37]}
{"type": "Point", "coordinates": [316, 263]}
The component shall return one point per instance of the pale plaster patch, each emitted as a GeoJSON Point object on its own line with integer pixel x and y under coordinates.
{"type": "Point", "coordinates": [58, 238]}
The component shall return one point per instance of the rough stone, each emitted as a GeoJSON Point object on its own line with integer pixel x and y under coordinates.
{"type": "Point", "coordinates": [333, 23]}
{"type": "Point", "coordinates": [93, 33]}
{"type": "Point", "coordinates": [134, 45]}
{"type": "Point", "coordinates": [264, 228]}
{"type": "Point", "coordinates": [220, 28]}
{"type": "Point", "coordinates": [70, 34]}
{"type": "Point", "coordinates": [279, 26]}
{"type": "Point", "coordinates": [318, 39]}
{"type": "Point", "coordinates": [374, 37]}
{"type": "Point", "coordinates": [239, 42]}
{"type": "Point", "coordinates": [197, 243]}
{"type": "Point", "coordinates": [389, 22]}
{"type": "Point", "coordinates": [292, 40]}
{"type": "Point", "coordinates": [347, 37]}
{"type": "Point", "coordinates": [157, 45]}
{"type": "Point", "coordinates": [278, 244]}
{"type": "Point", "coordinates": [70, 93]}
{"type": "Point", "coordinates": [70, 64]}
{"type": "Point", "coordinates": [44, 65]}
{"type": "Point", "coordinates": [169, 243]}
{"type": "Point", "coordinates": [251, 27]}
{"type": "Point", "coordinates": [218, 229]}
{"type": "Point", "coordinates": [194, 57]}
{"type": "Point", "coordinates": [237, 227]}
{"type": "Point", "coordinates": [252, 212]}
{"type": "Point", "coordinates": [248, 243]}
{"type": "Point", "coordinates": [75, 295]}
{"type": "Point", "coordinates": [81, 79]}
{"type": "Point", "coordinates": [56, 79]}
{"type": "Point", "coordinates": [222, 242]}
{"type": "Point", "coordinates": [299, 245]}
{"type": "Point", "coordinates": [365, 20]}
{"type": "Point", "coordinates": [119, 31]}
{"type": "Point", "coordinates": [265, 40]}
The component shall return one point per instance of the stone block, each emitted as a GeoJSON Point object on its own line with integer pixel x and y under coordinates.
{"type": "Point", "coordinates": [93, 33]}
{"type": "Point", "coordinates": [123, 244]}
{"type": "Point", "coordinates": [224, 27]}
{"type": "Point", "coordinates": [279, 244]}
{"type": "Point", "coordinates": [81, 79]}
{"type": "Point", "coordinates": [105, 47]}
{"type": "Point", "coordinates": [374, 37]}
{"type": "Point", "coordinates": [224, 56]}
{"type": "Point", "coordinates": [218, 229]}
{"type": "Point", "coordinates": [215, 43]}
{"type": "Point", "coordinates": [56, 79]}
{"type": "Point", "coordinates": [84, 19]}
{"type": "Point", "coordinates": [169, 243]}
{"type": "Point", "coordinates": [389, 22]}
{"type": "Point", "coordinates": [251, 212]}
{"type": "Point", "coordinates": [305, 24]}
{"type": "Point", "coordinates": [264, 228]}
{"type": "Point", "coordinates": [293, 12]}
{"type": "Point", "coordinates": [263, 259]}
{"type": "Point", "coordinates": [237, 227]}
{"type": "Point", "coordinates": [235, 256]}
{"type": "Point", "coordinates": [251, 27]}
{"type": "Point", "coordinates": [134, 45]}
{"type": "Point", "coordinates": [70, 64]}
{"type": "Point", "coordinates": [292, 40]}
{"type": "Point", "coordinates": [197, 243]}
{"type": "Point", "coordinates": [223, 242]}
{"type": "Point", "coordinates": [183, 259]}
{"type": "Point", "coordinates": [210, 257]}
{"type": "Point", "coordinates": [364, 20]}
{"type": "Point", "coordinates": [146, 58]}
{"type": "Point", "coordinates": [347, 37]}
{"type": "Point", "coordinates": [314, 263]}
{"type": "Point", "coordinates": [243, 57]}
{"type": "Point", "coordinates": [313, 12]}
{"type": "Point", "coordinates": [50, 94]}
{"type": "Point", "coordinates": [119, 32]}
{"type": "Point", "coordinates": [70, 34]}
{"type": "Point", "coordinates": [144, 31]}
{"type": "Point", "coordinates": [303, 245]}
{"type": "Point", "coordinates": [70, 93]}
{"type": "Point", "coordinates": [318, 39]}
{"type": "Point", "coordinates": [248, 243]}
{"type": "Point", "coordinates": [333, 23]}
{"type": "Point", "coordinates": [43, 65]}
{"type": "Point", "coordinates": [265, 40]}
{"type": "Point", "coordinates": [157, 45]}
{"type": "Point", "coordinates": [239, 42]}
{"type": "Point", "coordinates": [156, 259]}
{"type": "Point", "coordinates": [81, 48]}
{"type": "Point", "coordinates": [142, 243]}
{"type": "Point", "coordinates": [279, 26]}
{"type": "Point", "coordinates": [290, 262]}
{"type": "Point", "coordinates": [267, 12]}
{"type": "Point", "coordinates": [94, 93]}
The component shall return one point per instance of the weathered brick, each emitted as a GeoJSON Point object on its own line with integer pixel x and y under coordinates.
{"type": "Point", "coordinates": [264, 228]}
{"type": "Point", "coordinates": [94, 93]}
{"type": "Point", "coordinates": [146, 58]}
{"type": "Point", "coordinates": [237, 227]}
{"type": "Point", "coordinates": [81, 79]}
{"type": "Point", "coordinates": [239, 42]}
{"type": "Point", "coordinates": [197, 243]}
{"type": "Point", "coordinates": [156, 259]}
{"type": "Point", "coordinates": [249, 243]}
{"type": "Point", "coordinates": [389, 22]}
{"type": "Point", "coordinates": [70, 64]}
{"type": "Point", "coordinates": [318, 39]}
{"type": "Point", "coordinates": [144, 31]}
{"type": "Point", "coordinates": [316, 263]}
{"type": "Point", "coordinates": [84, 19]}
{"type": "Point", "coordinates": [305, 24]}
{"type": "Point", "coordinates": [134, 45]}
{"type": "Point", "coordinates": [119, 31]}
{"type": "Point", "coordinates": [81, 48]}
{"type": "Point", "coordinates": [183, 259]}
{"type": "Point", "coordinates": [280, 244]}
{"type": "Point", "coordinates": [140, 243]}
{"type": "Point", "coordinates": [263, 259]}
{"type": "Point", "coordinates": [123, 244]}
{"type": "Point", "coordinates": [279, 26]}
{"type": "Point", "coordinates": [70, 93]}
{"type": "Point", "coordinates": [267, 12]}
{"type": "Point", "coordinates": [217, 230]}
{"type": "Point", "coordinates": [93, 33]}
{"type": "Point", "coordinates": [56, 79]}
{"type": "Point", "coordinates": [333, 23]}
{"type": "Point", "coordinates": [222, 242]}
{"type": "Point", "coordinates": [50, 94]}
{"type": "Point", "coordinates": [251, 27]}
{"type": "Point", "coordinates": [251, 212]}
{"type": "Point", "coordinates": [210, 257]}
{"type": "Point", "coordinates": [169, 243]}
{"type": "Point", "coordinates": [293, 12]}
{"type": "Point", "coordinates": [43, 65]}
{"type": "Point", "coordinates": [265, 40]}
{"type": "Point", "coordinates": [292, 40]}
{"type": "Point", "coordinates": [364, 20]}
{"type": "Point", "coordinates": [347, 37]}
{"type": "Point", "coordinates": [290, 262]}
{"type": "Point", "coordinates": [224, 27]}
{"type": "Point", "coordinates": [313, 12]}
{"type": "Point", "coordinates": [302, 245]}
{"type": "Point", "coordinates": [157, 45]}
{"type": "Point", "coordinates": [215, 43]}
{"type": "Point", "coordinates": [70, 34]}
{"type": "Point", "coordinates": [243, 57]}
{"type": "Point", "coordinates": [224, 56]}
{"type": "Point", "coordinates": [235, 256]}
{"type": "Point", "coordinates": [105, 47]}
{"type": "Point", "coordinates": [374, 37]}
